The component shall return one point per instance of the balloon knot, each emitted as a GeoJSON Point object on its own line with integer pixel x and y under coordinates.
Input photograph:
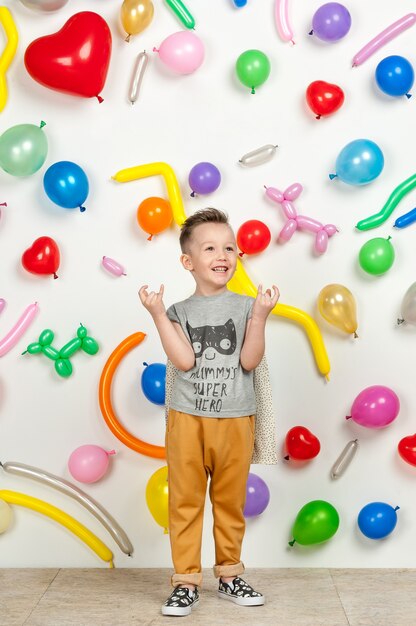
{"type": "Point", "coordinates": [25, 352]}
{"type": "Point", "coordinates": [111, 452]}
{"type": "Point", "coordinates": [400, 321]}
{"type": "Point", "coordinates": [192, 194]}
{"type": "Point", "coordinates": [82, 209]}
{"type": "Point", "coordinates": [150, 238]}
{"type": "Point", "coordinates": [310, 32]}
{"type": "Point", "coordinates": [408, 95]}
{"type": "Point", "coordinates": [145, 364]}
{"type": "Point", "coordinates": [55, 275]}
{"type": "Point", "coordinates": [253, 90]}
{"type": "Point", "coordinates": [155, 49]}
{"type": "Point", "coordinates": [286, 458]}
{"type": "Point", "coordinates": [292, 543]}
{"type": "Point", "coordinates": [348, 417]}
{"type": "Point", "coordinates": [318, 117]}
{"type": "Point", "coordinates": [3, 204]}
{"type": "Point", "coordinates": [355, 335]}
{"type": "Point", "coordinates": [42, 124]}
{"type": "Point", "coordinates": [397, 508]}
{"type": "Point", "coordinates": [240, 254]}
{"type": "Point", "coordinates": [388, 238]}
{"type": "Point", "coordinates": [100, 99]}
{"type": "Point", "coordinates": [293, 42]}
{"type": "Point", "coordinates": [128, 38]}
{"type": "Point", "coordinates": [332, 176]}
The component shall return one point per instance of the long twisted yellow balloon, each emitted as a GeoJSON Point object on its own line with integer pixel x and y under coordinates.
{"type": "Point", "coordinates": [6, 20]}
{"type": "Point", "coordinates": [240, 283]}
{"type": "Point", "coordinates": [21, 499]}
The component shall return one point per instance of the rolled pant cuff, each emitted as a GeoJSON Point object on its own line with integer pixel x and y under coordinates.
{"type": "Point", "coordinates": [183, 579]}
{"type": "Point", "coordinates": [228, 570]}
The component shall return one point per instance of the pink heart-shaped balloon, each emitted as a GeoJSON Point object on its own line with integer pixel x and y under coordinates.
{"type": "Point", "coordinates": [74, 60]}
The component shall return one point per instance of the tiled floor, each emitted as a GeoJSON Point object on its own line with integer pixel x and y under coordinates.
{"type": "Point", "coordinates": [127, 597]}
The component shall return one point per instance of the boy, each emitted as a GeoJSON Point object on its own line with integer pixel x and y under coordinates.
{"type": "Point", "coordinates": [214, 339]}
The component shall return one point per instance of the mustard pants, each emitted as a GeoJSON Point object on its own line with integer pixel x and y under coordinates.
{"type": "Point", "coordinates": [198, 448]}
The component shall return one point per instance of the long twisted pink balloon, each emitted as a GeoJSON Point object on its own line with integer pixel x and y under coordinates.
{"type": "Point", "coordinates": [384, 37]}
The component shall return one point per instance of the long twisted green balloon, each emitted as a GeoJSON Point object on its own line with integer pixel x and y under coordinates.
{"type": "Point", "coordinates": [379, 218]}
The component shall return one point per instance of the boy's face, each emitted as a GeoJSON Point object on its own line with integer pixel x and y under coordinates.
{"type": "Point", "coordinates": [211, 255]}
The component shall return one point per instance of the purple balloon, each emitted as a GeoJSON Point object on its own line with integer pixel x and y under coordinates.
{"type": "Point", "coordinates": [204, 178]}
{"type": "Point", "coordinates": [331, 22]}
{"type": "Point", "coordinates": [375, 407]}
{"type": "Point", "coordinates": [258, 496]}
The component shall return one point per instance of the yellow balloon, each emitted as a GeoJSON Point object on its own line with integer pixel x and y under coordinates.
{"type": "Point", "coordinates": [240, 283]}
{"type": "Point", "coordinates": [6, 516]}
{"type": "Point", "coordinates": [157, 493]}
{"type": "Point", "coordinates": [136, 15]}
{"type": "Point", "coordinates": [81, 531]}
{"type": "Point", "coordinates": [336, 304]}
{"type": "Point", "coordinates": [6, 20]}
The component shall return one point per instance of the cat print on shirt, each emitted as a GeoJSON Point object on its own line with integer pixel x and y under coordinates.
{"type": "Point", "coordinates": [213, 339]}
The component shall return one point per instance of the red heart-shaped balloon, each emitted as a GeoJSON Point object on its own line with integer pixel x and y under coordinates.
{"type": "Point", "coordinates": [407, 449]}
{"type": "Point", "coordinates": [42, 257]}
{"type": "Point", "coordinates": [324, 98]}
{"type": "Point", "coordinates": [74, 60]}
{"type": "Point", "coordinates": [301, 444]}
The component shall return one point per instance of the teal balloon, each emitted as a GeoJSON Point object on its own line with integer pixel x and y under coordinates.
{"type": "Point", "coordinates": [23, 149]}
{"type": "Point", "coordinates": [376, 256]}
{"type": "Point", "coordinates": [359, 162]}
{"type": "Point", "coordinates": [316, 522]}
{"type": "Point", "coordinates": [253, 68]}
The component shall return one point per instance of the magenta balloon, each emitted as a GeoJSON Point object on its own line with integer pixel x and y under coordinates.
{"type": "Point", "coordinates": [375, 407]}
{"type": "Point", "coordinates": [258, 496]}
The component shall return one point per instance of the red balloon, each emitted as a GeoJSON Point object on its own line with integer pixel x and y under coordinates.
{"type": "Point", "coordinates": [42, 257]}
{"type": "Point", "coordinates": [253, 237]}
{"type": "Point", "coordinates": [407, 449]}
{"type": "Point", "coordinates": [301, 444]}
{"type": "Point", "coordinates": [324, 98]}
{"type": "Point", "coordinates": [74, 60]}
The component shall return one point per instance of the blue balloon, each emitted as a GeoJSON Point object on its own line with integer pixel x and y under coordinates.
{"type": "Point", "coordinates": [66, 184]}
{"type": "Point", "coordinates": [359, 162]}
{"type": "Point", "coordinates": [154, 382]}
{"type": "Point", "coordinates": [377, 520]}
{"type": "Point", "coordinates": [405, 220]}
{"type": "Point", "coordinates": [395, 76]}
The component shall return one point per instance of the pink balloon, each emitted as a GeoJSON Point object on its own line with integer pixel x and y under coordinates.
{"type": "Point", "coordinates": [16, 331]}
{"type": "Point", "coordinates": [274, 194]}
{"type": "Point", "coordinates": [113, 266]}
{"type": "Point", "coordinates": [182, 52]}
{"type": "Point", "coordinates": [288, 230]}
{"type": "Point", "coordinates": [384, 37]}
{"type": "Point", "coordinates": [281, 15]}
{"type": "Point", "coordinates": [289, 210]}
{"type": "Point", "coordinates": [293, 191]}
{"type": "Point", "coordinates": [321, 241]}
{"type": "Point", "coordinates": [330, 229]}
{"type": "Point", "coordinates": [89, 463]}
{"type": "Point", "coordinates": [375, 407]}
{"type": "Point", "coordinates": [308, 223]}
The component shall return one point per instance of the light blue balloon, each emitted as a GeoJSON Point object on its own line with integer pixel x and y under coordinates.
{"type": "Point", "coordinates": [359, 162]}
{"type": "Point", "coordinates": [66, 184]}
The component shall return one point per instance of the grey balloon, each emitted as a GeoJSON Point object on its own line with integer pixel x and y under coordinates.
{"type": "Point", "coordinates": [44, 5]}
{"type": "Point", "coordinates": [71, 490]}
{"type": "Point", "coordinates": [409, 305]}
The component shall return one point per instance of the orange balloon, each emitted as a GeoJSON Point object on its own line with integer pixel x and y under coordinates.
{"type": "Point", "coordinates": [104, 396]}
{"type": "Point", "coordinates": [154, 215]}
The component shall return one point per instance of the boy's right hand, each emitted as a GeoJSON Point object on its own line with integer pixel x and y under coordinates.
{"type": "Point", "coordinates": [152, 301]}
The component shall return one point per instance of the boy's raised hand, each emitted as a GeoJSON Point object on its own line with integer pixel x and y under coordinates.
{"type": "Point", "coordinates": [265, 301]}
{"type": "Point", "coordinates": [152, 301]}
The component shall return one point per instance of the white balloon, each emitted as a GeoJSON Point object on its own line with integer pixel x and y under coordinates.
{"type": "Point", "coordinates": [409, 306]}
{"type": "Point", "coordinates": [44, 5]}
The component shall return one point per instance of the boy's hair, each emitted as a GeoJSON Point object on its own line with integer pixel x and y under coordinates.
{"type": "Point", "coordinates": [203, 216]}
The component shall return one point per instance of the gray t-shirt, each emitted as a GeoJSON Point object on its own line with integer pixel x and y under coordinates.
{"type": "Point", "coordinates": [217, 385]}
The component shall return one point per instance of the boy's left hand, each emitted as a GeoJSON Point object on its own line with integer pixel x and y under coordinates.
{"type": "Point", "coordinates": [265, 302]}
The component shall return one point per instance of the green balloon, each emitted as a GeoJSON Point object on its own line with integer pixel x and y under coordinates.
{"type": "Point", "coordinates": [23, 149]}
{"type": "Point", "coordinates": [316, 522]}
{"type": "Point", "coordinates": [34, 348]}
{"type": "Point", "coordinates": [377, 256]}
{"type": "Point", "coordinates": [63, 367]}
{"type": "Point", "coordinates": [46, 337]}
{"type": "Point", "coordinates": [70, 348]}
{"type": "Point", "coordinates": [90, 346]}
{"type": "Point", "coordinates": [50, 352]}
{"type": "Point", "coordinates": [253, 68]}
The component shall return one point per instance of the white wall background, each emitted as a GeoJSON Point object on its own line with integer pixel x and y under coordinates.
{"type": "Point", "coordinates": [184, 120]}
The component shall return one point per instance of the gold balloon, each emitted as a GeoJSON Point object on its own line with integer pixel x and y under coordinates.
{"type": "Point", "coordinates": [157, 496]}
{"type": "Point", "coordinates": [336, 304]}
{"type": "Point", "coordinates": [136, 15]}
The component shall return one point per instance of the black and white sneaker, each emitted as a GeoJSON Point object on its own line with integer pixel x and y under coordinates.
{"type": "Point", "coordinates": [240, 592]}
{"type": "Point", "coordinates": [181, 601]}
